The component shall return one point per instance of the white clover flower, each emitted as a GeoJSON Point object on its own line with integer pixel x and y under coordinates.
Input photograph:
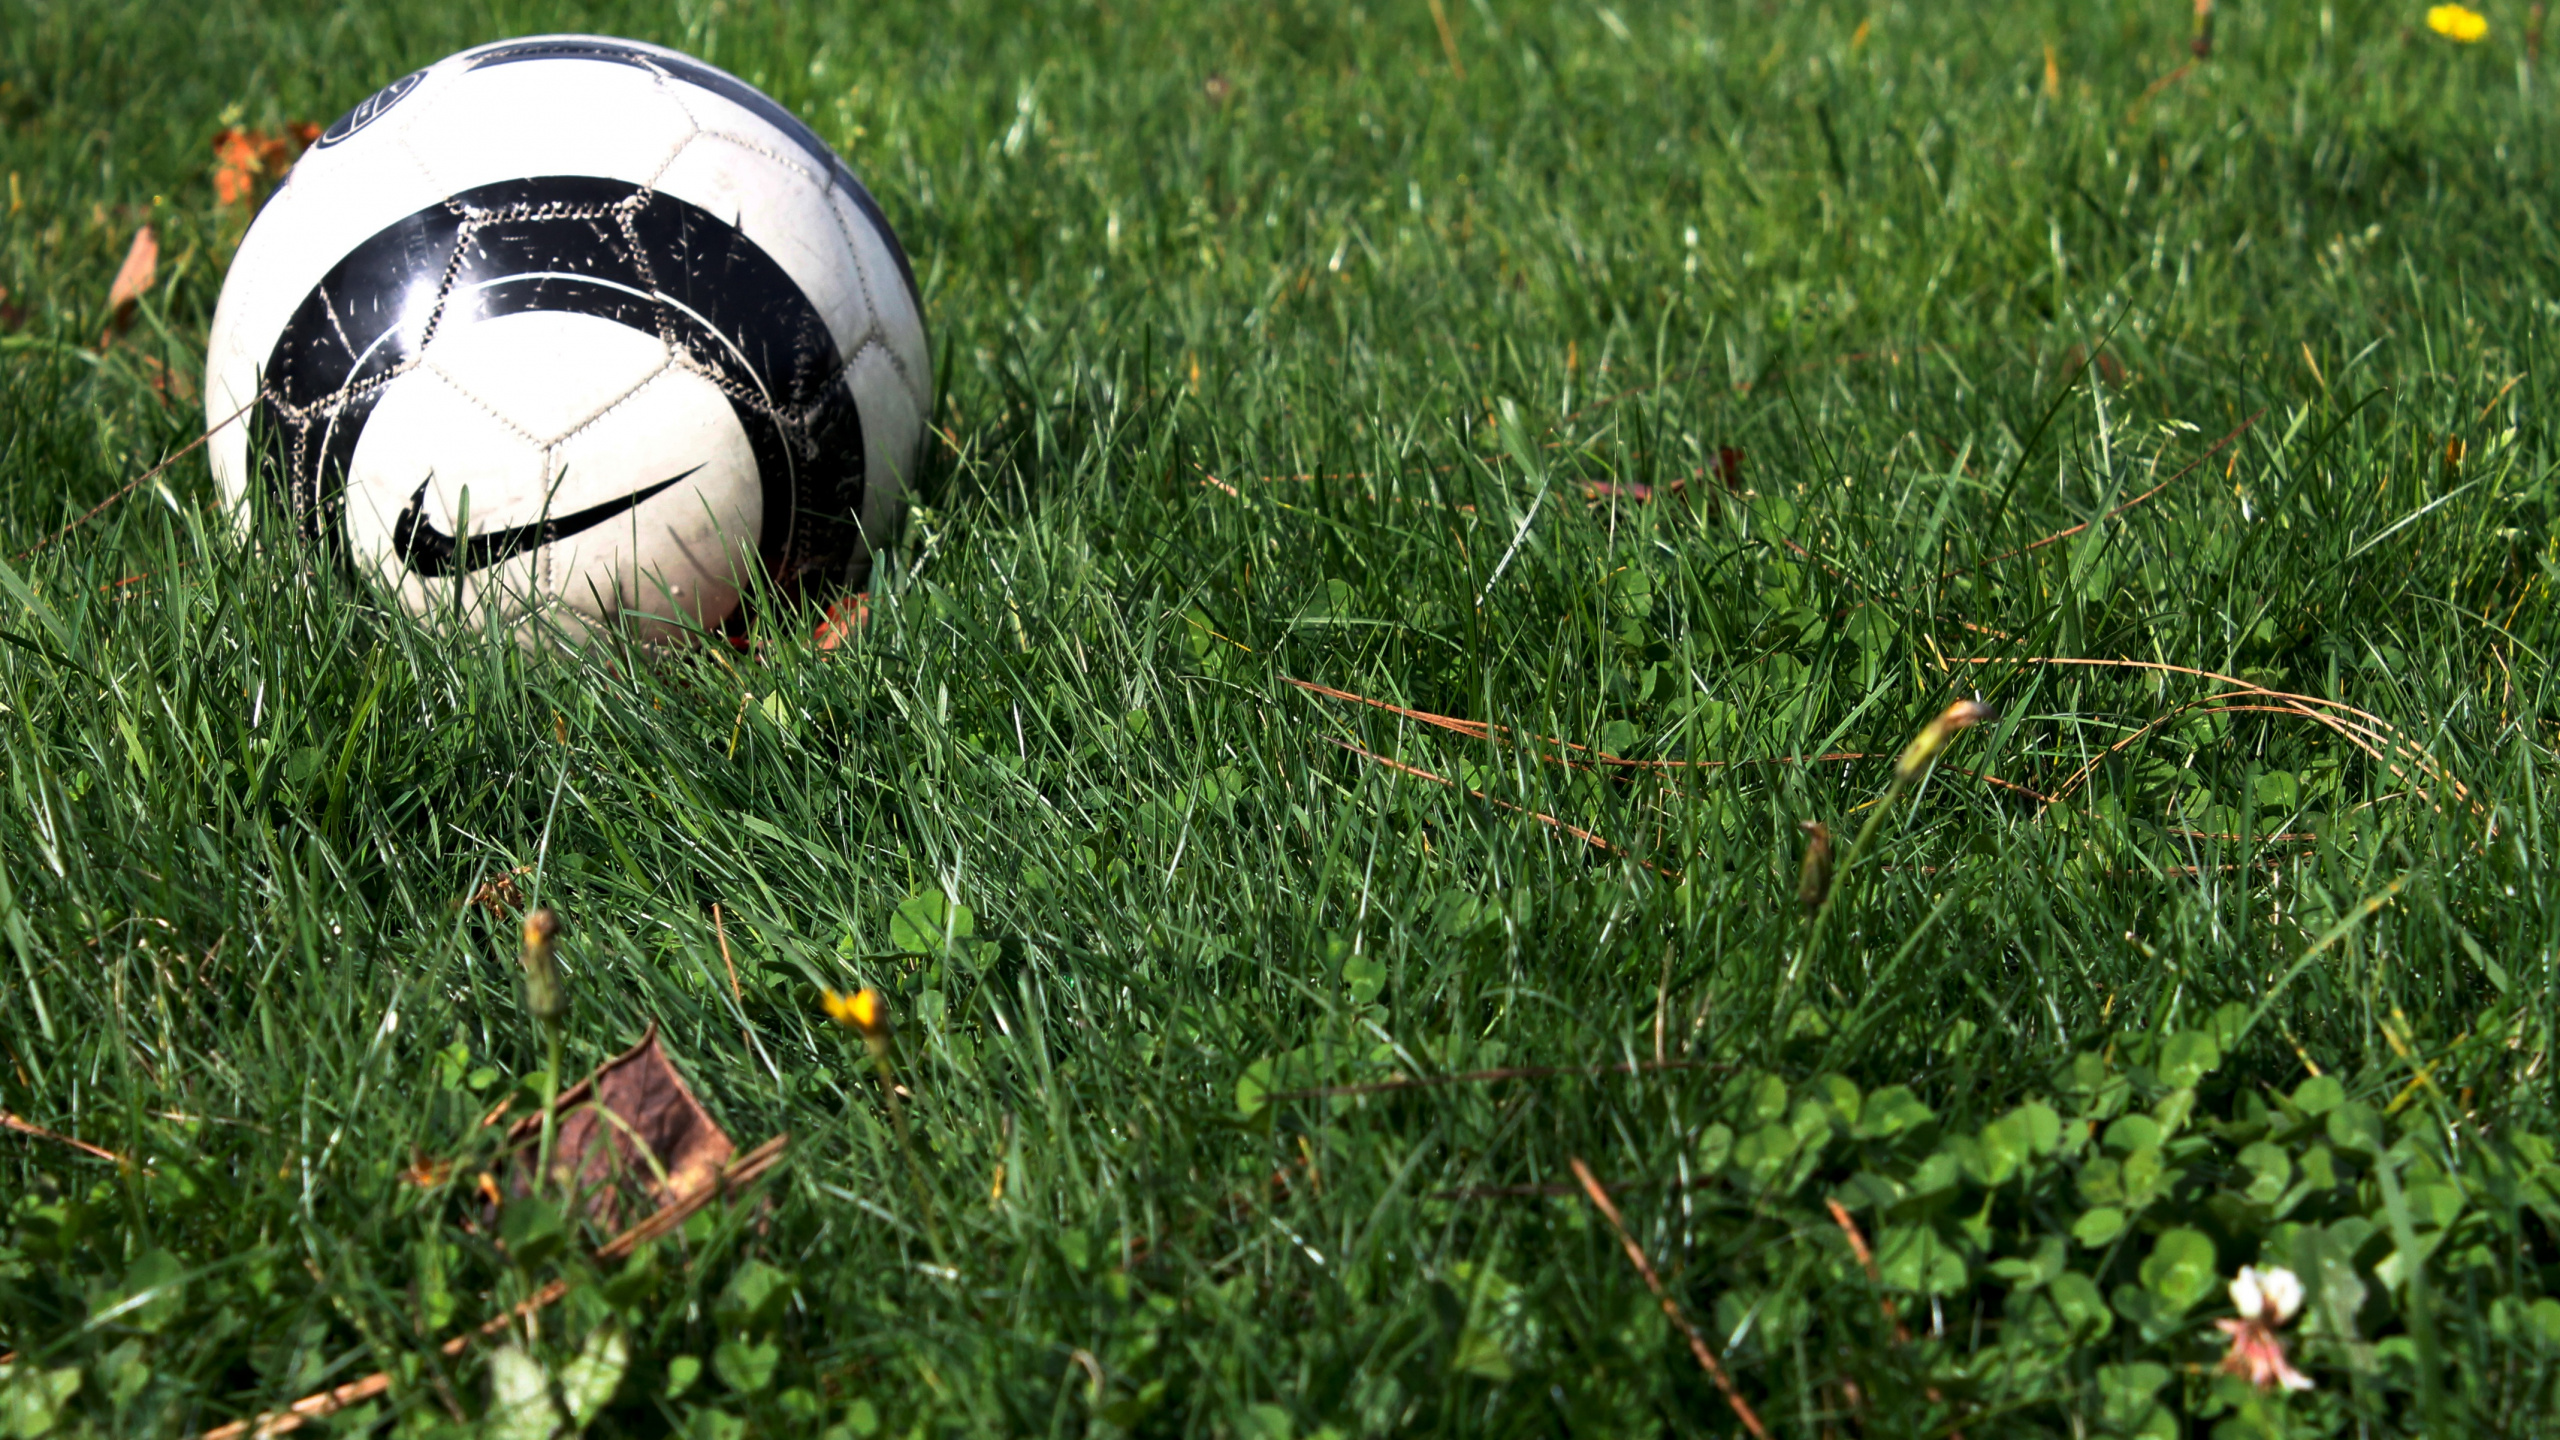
{"type": "Point", "coordinates": [2274, 1293]}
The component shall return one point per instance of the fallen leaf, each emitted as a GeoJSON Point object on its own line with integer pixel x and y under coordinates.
{"type": "Point", "coordinates": [500, 897]}
{"type": "Point", "coordinates": [1635, 490]}
{"type": "Point", "coordinates": [2111, 370]}
{"type": "Point", "coordinates": [659, 1141]}
{"type": "Point", "coordinates": [425, 1173]}
{"type": "Point", "coordinates": [12, 316]}
{"type": "Point", "coordinates": [174, 387]}
{"type": "Point", "coordinates": [244, 161]}
{"type": "Point", "coordinates": [134, 279]}
{"type": "Point", "coordinates": [843, 618]}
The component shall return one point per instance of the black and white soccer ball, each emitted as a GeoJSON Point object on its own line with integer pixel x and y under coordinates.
{"type": "Point", "coordinates": [582, 329]}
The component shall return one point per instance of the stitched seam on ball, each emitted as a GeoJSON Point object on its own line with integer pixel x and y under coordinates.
{"type": "Point", "coordinates": [853, 255]}
{"type": "Point", "coordinates": [626, 397]}
{"type": "Point", "coordinates": [329, 308]}
{"type": "Point", "coordinates": [776, 156]}
{"type": "Point", "coordinates": [668, 88]}
{"type": "Point", "coordinates": [494, 413]}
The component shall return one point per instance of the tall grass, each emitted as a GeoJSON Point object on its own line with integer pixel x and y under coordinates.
{"type": "Point", "coordinates": [1725, 390]}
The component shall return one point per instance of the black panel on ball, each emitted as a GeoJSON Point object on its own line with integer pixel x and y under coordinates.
{"type": "Point", "coordinates": [587, 246]}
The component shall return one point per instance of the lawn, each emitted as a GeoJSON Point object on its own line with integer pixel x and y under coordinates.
{"type": "Point", "coordinates": [1432, 501]}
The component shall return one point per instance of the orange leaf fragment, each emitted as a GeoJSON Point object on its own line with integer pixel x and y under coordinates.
{"type": "Point", "coordinates": [133, 280]}
{"type": "Point", "coordinates": [244, 160]}
{"type": "Point", "coordinates": [843, 618]}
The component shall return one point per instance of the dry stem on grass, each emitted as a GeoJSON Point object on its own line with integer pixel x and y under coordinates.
{"type": "Point", "coordinates": [1670, 1307]}
{"type": "Point", "coordinates": [740, 1173]}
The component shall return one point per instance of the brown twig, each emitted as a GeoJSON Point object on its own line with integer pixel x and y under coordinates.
{"type": "Point", "coordinates": [735, 1177]}
{"type": "Point", "coordinates": [2363, 729]}
{"type": "Point", "coordinates": [1867, 1262]}
{"type": "Point", "coordinates": [1481, 730]}
{"type": "Point", "coordinates": [2134, 111]}
{"type": "Point", "coordinates": [39, 1132]}
{"type": "Point", "coordinates": [145, 478]}
{"type": "Point", "coordinates": [1670, 1307]}
{"type": "Point", "coordinates": [1448, 41]}
{"type": "Point", "coordinates": [1596, 842]}
{"type": "Point", "coordinates": [356, 1392]}
{"type": "Point", "coordinates": [1534, 1191]}
{"type": "Point", "coordinates": [2184, 471]}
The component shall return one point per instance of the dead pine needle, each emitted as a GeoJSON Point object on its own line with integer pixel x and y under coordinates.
{"type": "Point", "coordinates": [1448, 40]}
{"type": "Point", "coordinates": [1670, 1307]}
{"type": "Point", "coordinates": [1867, 1261]}
{"type": "Point", "coordinates": [1596, 842]}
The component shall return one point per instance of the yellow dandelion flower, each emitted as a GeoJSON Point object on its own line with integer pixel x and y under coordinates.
{"type": "Point", "coordinates": [2458, 23]}
{"type": "Point", "coordinates": [862, 1010]}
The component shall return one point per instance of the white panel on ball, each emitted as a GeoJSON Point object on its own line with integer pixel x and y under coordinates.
{"type": "Point", "coordinates": [891, 428]}
{"type": "Point", "coordinates": [440, 458]}
{"type": "Point", "coordinates": [680, 552]}
{"type": "Point", "coordinates": [508, 121]}
{"type": "Point", "coordinates": [510, 364]}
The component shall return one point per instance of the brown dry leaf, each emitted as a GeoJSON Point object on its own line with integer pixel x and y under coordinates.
{"type": "Point", "coordinates": [500, 897]}
{"type": "Point", "coordinates": [12, 315]}
{"type": "Point", "coordinates": [654, 1118]}
{"type": "Point", "coordinates": [134, 279]}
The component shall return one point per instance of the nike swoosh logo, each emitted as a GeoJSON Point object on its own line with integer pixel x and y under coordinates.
{"type": "Point", "coordinates": [432, 554]}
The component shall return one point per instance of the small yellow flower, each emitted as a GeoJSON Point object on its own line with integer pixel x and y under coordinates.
{"type": "Point", "coordinates": [2458, 23]}
{"type": "Point", "coordinates": [862, 1010]}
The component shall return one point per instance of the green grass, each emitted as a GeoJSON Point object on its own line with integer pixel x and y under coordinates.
{"type": "Point", "coordinates": [1320, 372]}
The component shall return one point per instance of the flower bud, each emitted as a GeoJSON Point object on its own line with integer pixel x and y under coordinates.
{"type": "Point", "coordinates": [1933, 737]}
{"type": "Point", "coordinates": [544, 995]}
{"type": "Point", "coordinates": [1813, 880]}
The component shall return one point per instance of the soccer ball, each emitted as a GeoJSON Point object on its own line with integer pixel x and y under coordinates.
{"type": "Point", "coordinates": [581, 330]}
